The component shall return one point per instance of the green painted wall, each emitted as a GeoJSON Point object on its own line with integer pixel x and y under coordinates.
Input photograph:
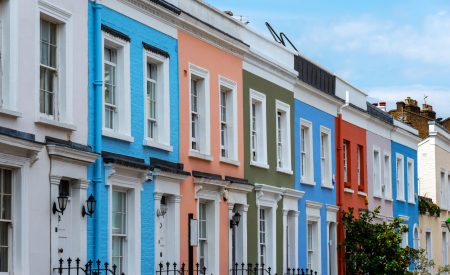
{"type": "Point", "coordinates": [266, 176]}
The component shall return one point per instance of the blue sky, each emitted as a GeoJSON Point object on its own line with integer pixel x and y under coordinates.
{"type": "Point", "coordinates": [388, 48]}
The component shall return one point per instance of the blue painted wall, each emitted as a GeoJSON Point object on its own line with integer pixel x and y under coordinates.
{"type": "Point", "coordinates": [316, 193]}
{"type": "Point", "coordinates": [97, 227]}
{"type": "Point", "coordinates": [400, 207]}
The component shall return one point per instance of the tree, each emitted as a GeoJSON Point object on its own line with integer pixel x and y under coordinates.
{"type": "Point", "coordinates": [373, 247]}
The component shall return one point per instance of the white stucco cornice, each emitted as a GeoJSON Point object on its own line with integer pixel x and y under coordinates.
{"type": "Point", "coordinates": [70, 153]}
{"type": "Point", "coordinates": [238, 187]}
{"type": "Point", "coordinates": [316, 98]}
{"type": "Point", "coordinates": [157, 173]}
{"type": "Point", "coordinates": [292, 193]}
{"type": "Point", "coordinates": [211, 184]}
{"type": "Point", "coordinates": [404, 137]}
{"type": "Point", "coordinates": [313, 204]}
{"type": "Point", "coordinates": [269, 70]}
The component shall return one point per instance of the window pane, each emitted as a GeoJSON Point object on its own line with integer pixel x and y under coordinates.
{"type": "Point", "coordinates": [152, 71]}
{"type": "Point", "coordinates": [119, 213]}
{"type": "Point", "coordinates": [4, 246]}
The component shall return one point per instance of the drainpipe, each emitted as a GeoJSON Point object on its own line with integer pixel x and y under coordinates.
{"type": "Point", "coordinates": [339, 187]}
{"type": "Point", "coordinates": [97, 9]}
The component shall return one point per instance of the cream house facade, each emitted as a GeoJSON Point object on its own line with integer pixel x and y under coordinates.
{"type": "Point", "coordinates": [434, 183]}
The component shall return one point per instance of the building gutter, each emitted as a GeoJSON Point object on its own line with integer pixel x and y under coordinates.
{"type": "Point", "coordinates": [98, 83]}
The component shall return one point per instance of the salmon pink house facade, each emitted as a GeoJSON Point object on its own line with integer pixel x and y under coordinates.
{"type": "Point", "coordinates": [211, 148]}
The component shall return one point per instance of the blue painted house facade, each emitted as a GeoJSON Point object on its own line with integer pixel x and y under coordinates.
{"type": "Point", "coordinates": [315, 170]}
{"type": "Point", "coordinates": [405, 184]}
{"type": "Point", "coordinates": [133, 124]}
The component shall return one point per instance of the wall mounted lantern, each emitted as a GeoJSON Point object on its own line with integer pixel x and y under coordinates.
{"type": "Point", "coordinates": [235, 220]}
{"type": "Point", "coordinates": [62, 204]}
{"type": "Point", "coordinates": [90, 203]}
{"type": "Point", "coordinates": [447, 223]}
{"type": "Point", "coordinates": [161, 212]}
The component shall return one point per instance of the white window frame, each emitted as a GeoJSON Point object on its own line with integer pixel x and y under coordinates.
{"type": "Point", "coordinates": [377, 183]}
{"type": "Point", "coordinates": [162, 138]}
{"type": "Point", "coordinates": [204, 113]}
{"type": "Point", "coordinates": [261, 129]}
{"type": "Point", "coordinates": [400, 181]}
{"type": "Point", "coordinates": [448, 188]}
{"type": "Point", "coordinates": [262, 242]}
{"type": "Point", "coordinates": [231, 143]}
{"type": "Point", "coordinates": [63, 105]}
{"type": "Point", "coordinates": [267, 197]}
{"type": "Point", "coordinates": [444, 247]}
{"type": "Point", "coordinates": [9, 65]}
{"type": "Point", "coordinates": [122, 130]}
{"type": "Point", "coordinates": [308, 155]}
{"type": "Point", "coordinates": [443, 190]}
{"type": "Point", "coordinates": [20, 167]}
{"type": "Point", "coordinates": [10, 223]}
{"type": "Point", "coordinates": [410, 178]}
{"type": "Point", "coordinates": [429, 245]}
{"type": "Point", "coordinates": [123, 236]}
{"type": "Point", "coordinates": [285, 130]}
{"type": "Point", "coordinates": [387, 181]}
{"type": "Point", "coordinates": [313, 216]}
{"type": "Point", "coordinates": [130, 181]}
{"type": "Point", "coordinates": [416, 240]}
{"type": "Point", "coordinates": [359, 164]}
{"type": "Point", "coordinates": [346, 154]}
{"type": "Point", "coordinates": [211, 199]}
{"type": "Point", "coordinates": [405, 236]}
{"type": "Point", "coordinates": [326, 157]}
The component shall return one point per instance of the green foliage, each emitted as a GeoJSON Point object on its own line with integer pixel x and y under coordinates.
{"type": "Point", "coordinates": [427, 205]}
{"type": "Point", "coordinates": [374, 248]}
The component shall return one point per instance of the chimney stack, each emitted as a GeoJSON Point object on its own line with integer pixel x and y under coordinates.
{"type": "Point", "coordinates": [427, 111]}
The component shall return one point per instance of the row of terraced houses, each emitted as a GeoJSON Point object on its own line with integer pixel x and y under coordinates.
{"type": "Point", "coordinates": [198, 139]}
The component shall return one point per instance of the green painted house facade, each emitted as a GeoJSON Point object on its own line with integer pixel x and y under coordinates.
{"type": "Point", "coordinates": [268, 116]}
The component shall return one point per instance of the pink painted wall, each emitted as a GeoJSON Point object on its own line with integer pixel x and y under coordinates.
{"type": "Point", "coordinates": [218, 63]}
{"type": "Point", "coordinates": [384, 145]}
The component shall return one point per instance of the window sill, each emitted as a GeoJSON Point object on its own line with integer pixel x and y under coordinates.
{"type": "Point", "coordinates": [411, 202]}
{"type": "Point", "coordinates": [379, 197]}
{"type": "Point", "coordinates": [116, 135]}
{"type": "Point", "coordinates": [10, 113]}
{"type": "Point", "coordinates": [402, 200]}
{"type": "Point", "coordinates": [259, 165]}
{"type": "Point", "coordinates": [229, 161]}
{"type": "Point", "coordinates": [158, 145]}
{"type": "Point", "coordinates": [285, 170]}
{"type": "Point", "coordinates": [388, 199]}
{"type": "Point", "coordinates": [327, 186]}
{"type": "Point", "coordinates": [307, 182]}
{"type": "Point", "coordinates": [348, 190]}
{"type": "Point", "coordinates": [57, 124]}
{"type": "Point", "coordinates": [198, 155]}
{"type": "Point", "coordinates": [364, 194]}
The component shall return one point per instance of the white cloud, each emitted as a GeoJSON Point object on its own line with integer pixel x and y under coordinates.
{"type": "Point", "coordinates": [438, 97]}
{"type": "Point", "coordinates": [428, 42]}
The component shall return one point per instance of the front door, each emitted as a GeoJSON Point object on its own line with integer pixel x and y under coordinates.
{"type": "Point", "coordinates": [162, 227]}
{"type": "Point", "coordinates": [65, 223]}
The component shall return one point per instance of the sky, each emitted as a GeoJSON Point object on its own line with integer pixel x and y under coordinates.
{"type": "Point", "coordinates": [389, 49]}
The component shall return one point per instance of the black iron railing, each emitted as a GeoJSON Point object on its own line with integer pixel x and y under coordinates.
{"type": "Point", "coordinates": [256, 269]}
{"type": "Point", "coordinates": [175, 269]}
{"type": "Point", "coordinates": [75, 267]}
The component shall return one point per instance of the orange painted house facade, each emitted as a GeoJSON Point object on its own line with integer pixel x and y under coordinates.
{"type": "Point", "coordinates": [352, 176]}
{"type": "Point", "coordinates": [211, 149]}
